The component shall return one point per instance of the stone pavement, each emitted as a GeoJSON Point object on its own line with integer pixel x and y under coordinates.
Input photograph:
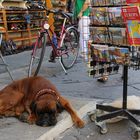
{"type": "Point", "coordinates": [77, 85]}
{"type": "Point", "coordinates": [13, 129]}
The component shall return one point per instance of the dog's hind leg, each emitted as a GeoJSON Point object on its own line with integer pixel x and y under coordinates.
{"type": "Point", "coordinates": [8, 103]}
{"type": "Point", "coordinates": [65, 103]}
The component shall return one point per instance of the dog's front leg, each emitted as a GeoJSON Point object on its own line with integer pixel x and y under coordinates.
{"type": "Point", "coordinates": [31, 117]}
{"type": "Point", "coordinates": [79, 123]}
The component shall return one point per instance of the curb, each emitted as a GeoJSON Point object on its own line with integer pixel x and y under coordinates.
{"type": "Point", "coordinates": [67, 122]}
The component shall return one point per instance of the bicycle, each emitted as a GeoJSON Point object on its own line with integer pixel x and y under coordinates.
{"type": "Point", "coordinates": [64, 47]}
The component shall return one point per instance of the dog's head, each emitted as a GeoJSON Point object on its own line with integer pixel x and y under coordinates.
{"type": "Point", "coordinates": [45, 107]}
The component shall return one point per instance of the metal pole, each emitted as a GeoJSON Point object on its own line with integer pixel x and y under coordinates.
{"type": "Point", "coordinates": [125, 82]}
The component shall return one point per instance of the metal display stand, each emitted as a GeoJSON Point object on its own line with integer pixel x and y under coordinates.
{"type": "Point", "coordinates": [110, 39]}
{"type": "Point", "coordinates": [3, 61]}
{"type": "Point", "coordinates": [124, 111]}
{"type": "Point", "coordinates": [120, 111]}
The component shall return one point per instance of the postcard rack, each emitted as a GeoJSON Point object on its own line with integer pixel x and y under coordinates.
{"type": "Point", "coordinates": [109, 49]}
{"type": "Point", "coordinates": [116, 56]}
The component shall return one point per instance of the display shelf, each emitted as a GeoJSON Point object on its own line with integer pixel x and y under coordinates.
{"type": "Point", "coordinates": [20, 39]}
{"type": "Point", "coordinates": [115, 26]}
{"type": "Point", "coordinates": [15, 21]}
{"type": "Point", "coordinates": [32, 29]}
{"type": "Point", "coordinates": [27, 35]}
{"type": "Point", "coordinates": [13, 31]}
{"type": "Point", "coordinates": [33, 37]}
{"type": "Point", "coordinates": [15, 11]}
{"type": "Point", "coordinates": [3, 32]}
{"type": "Point", "coordinates": [102, 6]}
{"type": "Point", "coordinates": [37, 19]}
{"type": "Point", "coordinates": [104, 26]}
{"type": "Point", "coordinates": [110, 44]}
{"type": "Point", "coordinates": [18, 4]}
{"type": "Point", "coordinates": [23, 38]}
{"type": "Point", "coordinates": [13, 0]}
{"type": "Point", "coordinates": [21, 29]}
{"type": "Point", "coordinates": [23, 11]}
{"type": "Point", "coordinates": [104, 55]}
{"type": "Point", "coordinates": [7, 24]}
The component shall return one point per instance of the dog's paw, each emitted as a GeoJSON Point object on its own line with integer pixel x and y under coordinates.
{"type": "Point", "coordinates": [80, 123]}
{"type": "Point", "coordinates": [23, 117]}
{"type": "Point", "coordinates": [31, 120]}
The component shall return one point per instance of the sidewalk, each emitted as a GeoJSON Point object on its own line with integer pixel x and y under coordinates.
{"type": "Point", "coordinates": [11, 128]}
{"type": "Point", "coordinates": [83, 92]}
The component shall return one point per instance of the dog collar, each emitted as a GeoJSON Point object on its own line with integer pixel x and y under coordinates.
{"type": "Point", "coordinates": [46, 91]}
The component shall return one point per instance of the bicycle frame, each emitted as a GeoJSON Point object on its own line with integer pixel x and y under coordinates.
{"type": "Point", "coordinates": [0, 38]}
{"type": "Point", "coordinates": [59, 38]}
{"type": "Point", "coordinates": [49, 33]}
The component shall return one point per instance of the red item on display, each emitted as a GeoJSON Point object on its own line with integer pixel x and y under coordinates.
{"type": "Point", "coordinates": [131, 13]}
{"type": "Point", "coordinates": [131, 16]}
{"type": "Point", "coordinates": [132, 1]}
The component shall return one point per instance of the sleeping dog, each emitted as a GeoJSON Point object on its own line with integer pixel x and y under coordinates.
{"type": "Point", "coordinates": [39, 98]}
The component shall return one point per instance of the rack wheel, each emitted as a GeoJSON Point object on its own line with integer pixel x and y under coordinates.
{"type": "Point", "coordinates": [135, 131]}
{"type": "Point", "coordinates": [92, 115]}
{"type": "Point", "coordinates": [136, 135]}
{"type": "Point", "coordinates": [103, 131]}
{"type": "Point", "coordinates": [102, 127]}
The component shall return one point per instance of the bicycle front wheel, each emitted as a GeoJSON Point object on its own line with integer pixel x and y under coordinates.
{"type": "Point", "coordinates": [70, 47]}
{"type": "Point", "coordinates": [37, 56]}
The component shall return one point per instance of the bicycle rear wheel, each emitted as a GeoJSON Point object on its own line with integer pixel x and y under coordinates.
{"type": "Point", "coordinates": [70, 47]}
{"type": "Point", "coordinates": [37, 56]}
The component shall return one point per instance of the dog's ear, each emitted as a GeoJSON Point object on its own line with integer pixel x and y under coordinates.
{"type": "Point", "coordinates": [33, 107]}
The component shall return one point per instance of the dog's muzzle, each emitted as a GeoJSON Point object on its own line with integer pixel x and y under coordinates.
{"type": "Point", "coordinates": [46, 120]}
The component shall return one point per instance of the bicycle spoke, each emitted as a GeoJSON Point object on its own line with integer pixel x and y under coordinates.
{"type": "Point", "coordinates": [70, 43]}
{"type": "Point", "coordinates": [37, 57]}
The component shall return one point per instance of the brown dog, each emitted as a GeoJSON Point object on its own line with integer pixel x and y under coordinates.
{"type": "Point", "coordinates": [39, 98]}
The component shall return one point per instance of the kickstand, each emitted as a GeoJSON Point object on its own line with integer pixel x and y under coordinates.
{"type": "Point", "coordinates": [62, 66]}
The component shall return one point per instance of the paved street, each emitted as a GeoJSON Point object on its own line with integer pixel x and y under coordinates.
{"type": "Point", "coordinates": [78, 84]}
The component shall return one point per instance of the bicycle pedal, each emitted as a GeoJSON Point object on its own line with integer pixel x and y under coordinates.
{"type": "Point", "coordinates": [62, 48]}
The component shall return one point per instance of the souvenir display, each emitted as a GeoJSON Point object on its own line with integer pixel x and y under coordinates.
{"type": "Point", "coordinates": [107, 57]}
{"type": "Point", "coordinates": [99, 16]}
{"type": "Point", "coordinates": [131, 15]}
{"type": "Point", "coordinates": [99, 34]}
{"type": "Point", "coordinates": [107, 26]}
{"type": "Point", "coordinates": [106, 60]}
{"type": "Point", "coordinates": [108, 2]}
{"type": "Point", "coordinates": [98, 2]}
{"type": "Point", "coordinates": [118, 2]}
{"type": "Point", "coordinates": [118, 36]}
{"type": "Point", "coordinates": [132, 1]}
{"type": "Point", "coordinates": [115, 17]}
